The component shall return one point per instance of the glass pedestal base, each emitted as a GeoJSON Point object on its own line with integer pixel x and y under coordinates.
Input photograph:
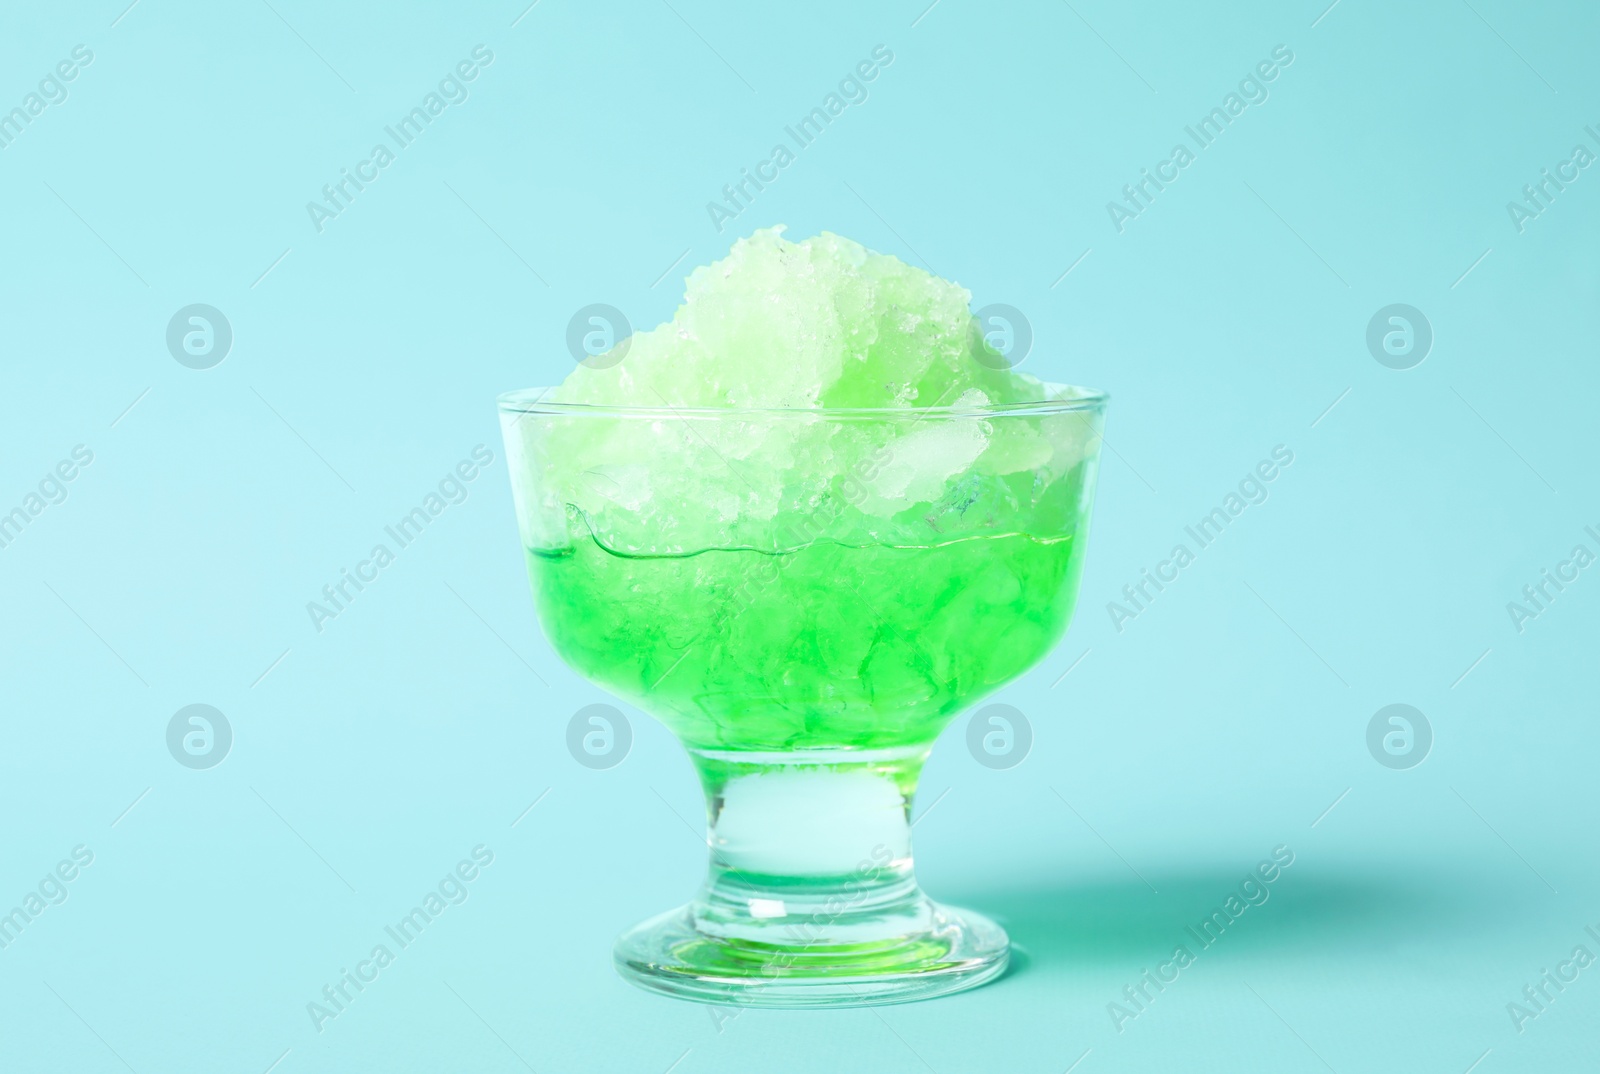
{"type": "Point", "coordinates": [955, 950]}
{"type": "Point", "coordinates": [811, 900]}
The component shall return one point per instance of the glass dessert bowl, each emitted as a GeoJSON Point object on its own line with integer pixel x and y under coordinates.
{"type": "Point", "coordinates": [806, 597]}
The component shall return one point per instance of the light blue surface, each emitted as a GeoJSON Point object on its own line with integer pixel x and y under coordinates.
{"type": "Point", "coordinates": [1223, 721]}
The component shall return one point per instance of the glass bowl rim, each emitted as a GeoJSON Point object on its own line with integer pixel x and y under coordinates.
{"type": "Point", "coordinates": [1063, 399]}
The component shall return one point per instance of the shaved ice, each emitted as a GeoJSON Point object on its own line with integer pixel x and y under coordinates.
{"type": "Point", "coordinates": [788, 332]}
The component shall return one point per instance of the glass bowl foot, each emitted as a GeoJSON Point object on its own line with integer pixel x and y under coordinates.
{"type": "Point", "coordinates": [918, 952]}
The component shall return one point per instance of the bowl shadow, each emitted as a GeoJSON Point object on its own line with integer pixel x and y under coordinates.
{"type": "Point", "coordinates": [1101, 922]}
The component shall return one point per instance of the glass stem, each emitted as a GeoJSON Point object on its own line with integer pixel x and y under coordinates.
{"type": "Point", "coordinates": [809, 847]}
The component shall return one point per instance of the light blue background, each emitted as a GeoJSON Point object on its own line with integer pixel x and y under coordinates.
{"type": "Point", "coordinates": [1222, 722]}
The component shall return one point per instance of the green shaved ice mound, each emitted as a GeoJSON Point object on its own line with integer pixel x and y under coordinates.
{"type": "Point", "coordinates": [767, 339]}
{"type": "Point", "coordinates": [819, 323]}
